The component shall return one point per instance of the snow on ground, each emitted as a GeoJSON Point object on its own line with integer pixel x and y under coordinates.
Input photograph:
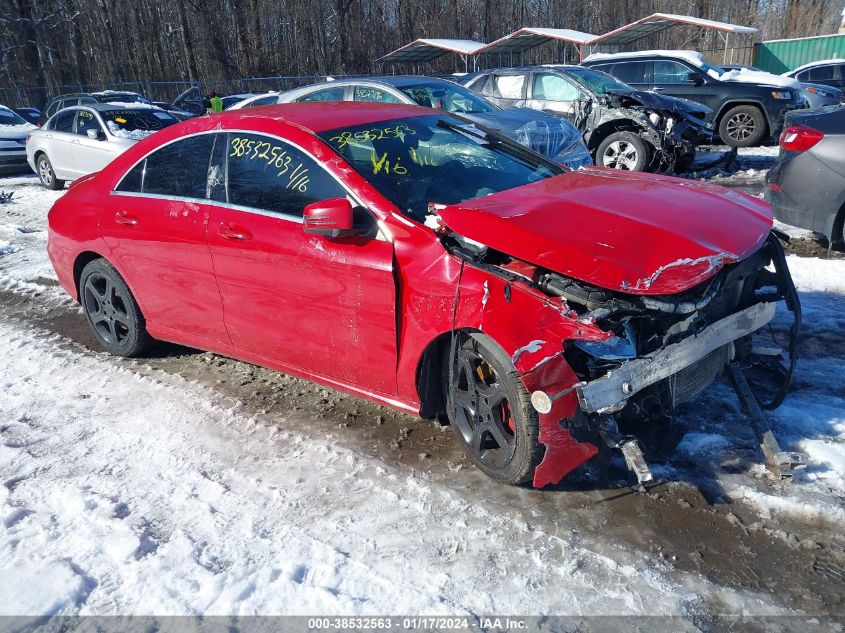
{"type": "Point", "coordinates": [129, 490]}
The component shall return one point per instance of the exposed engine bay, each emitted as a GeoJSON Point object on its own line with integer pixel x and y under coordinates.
{"type": "Point", "coordinates": [672, 129]}
{"type": "Point", "coordinates": [665, 350]}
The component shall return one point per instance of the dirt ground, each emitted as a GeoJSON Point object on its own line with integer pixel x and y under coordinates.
{"type": "Point", "coordinates": [688, 523]}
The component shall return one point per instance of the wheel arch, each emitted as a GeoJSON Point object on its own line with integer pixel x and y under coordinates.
{"type": "Point", "coordinates": [610, 127]}
{"type": "Point", "coordinates": [429, 373]}
{"type": "Point", "coordinates": [723, 109]}
{"type": "Point", "coordinates": [82, 260]}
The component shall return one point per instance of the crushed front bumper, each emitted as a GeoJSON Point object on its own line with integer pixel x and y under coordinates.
{"type": "Point", "coordinates": [614, 388]}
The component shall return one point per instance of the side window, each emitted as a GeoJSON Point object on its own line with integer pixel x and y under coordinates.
{"type": "Point", "coordinates": [134, 180]}
{"type": "Point", "coordinates": [507, 86]}
{"type": "Point", "coordinates": [263, 101]}
{"type": "Point", "coordinates": [667, 71]}
{"type": "Point", "coordinates": [822, 73]}
{"type": "Point", "coordinates": [180, 169]}
{"type": "Point", "coordinates": [366, 93]}
{"type": "Point", "coordinates": [631, 72]}
{"type": "Point", "coordinates": [326, 94]}
{"type": "Point", "coordinates": [64, 121]}
{"type": "Point", "coordinates": [87, 101]}
{"type": "Point", "coordinates": [551, 87]}
{"type": "Point", "coordinates": [804, 75]}
{"type": "Point", "coordinates": [52, 109]}
{"type": "Point", "coordinates": [267, 173]}
{"type": "Point", "coordinates": [69, 103]}
{"type": "Point", "coordinates": [85, 121]}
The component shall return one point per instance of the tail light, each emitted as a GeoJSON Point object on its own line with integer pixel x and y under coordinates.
{"type": "Point", "coordinates": [799, 138]}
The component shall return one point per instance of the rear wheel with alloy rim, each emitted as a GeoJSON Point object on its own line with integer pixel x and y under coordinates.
{"type": "Point", "coordinates": [111, 310]}
{"type": "Point", "coordinates": [46, 174]}
{"type": "Point", "coordinates": [490, 410]}
{"type": "Point", "coordinates": [624, 150]}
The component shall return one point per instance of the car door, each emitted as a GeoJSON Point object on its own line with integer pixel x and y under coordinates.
{"type": "Point", "coordinates": [506, 90]}
{"type": "Point", "coordinates": [677, 79]}
{"type": "Point", "coordinates": [155, 224]}
{"type": "Point", "coordinates": [90, 154]}
{"type": "Point", "coordinates": [326, 306]}
{"type": "Point", "coordinates": [636, 74]}
{"type": "Point", "coordinates": [60, 141]}
{"type": "Point", "coordinates": [553, 93]}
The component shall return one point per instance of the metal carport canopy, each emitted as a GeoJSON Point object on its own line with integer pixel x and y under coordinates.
{"type": "Point", "coordinates": [658, 22]}
{"type": "Point", "coordinates": [426, 50]}
{"type": "Point", "coordinates": [529, 37]}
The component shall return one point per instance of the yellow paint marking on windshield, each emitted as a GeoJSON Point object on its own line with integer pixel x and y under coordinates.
{"type": "Point", "coordinates": [120, 119]}
{"type": "Point", "coordinates": [384, 164]}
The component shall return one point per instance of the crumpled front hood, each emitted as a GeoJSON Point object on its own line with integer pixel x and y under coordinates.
{"type": "Point", "coordinates": [657, 101]}
{"type": "Point", "coordinates": [636, 233]}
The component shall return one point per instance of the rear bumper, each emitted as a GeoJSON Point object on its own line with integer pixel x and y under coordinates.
{"type": "Point", "coordinates": [803, 192]}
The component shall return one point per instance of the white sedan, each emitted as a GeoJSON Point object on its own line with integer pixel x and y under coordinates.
{"type": "Point", "coordinates": [80, 140]}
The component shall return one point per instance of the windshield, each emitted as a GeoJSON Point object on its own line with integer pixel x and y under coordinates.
{"type": "Point", "coordinates": [597, 81]}
{"type": "Point", "coordinates": [136, 123]}
{"type": "Point", "coordinates": [435, 159]}
{"type": "Point", "coordinates": [448, 97]}
{"type": "Point", "coordinates": [7, 117]}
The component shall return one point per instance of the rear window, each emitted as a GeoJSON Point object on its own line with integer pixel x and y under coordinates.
{"type": "Point", "coordinates": [7, 117]}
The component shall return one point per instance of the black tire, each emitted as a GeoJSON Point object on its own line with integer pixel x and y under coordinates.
{"type": "Point", "coordinates": [624, 150]}
{"type": "Point", "coordinates": [111, 311]}
{"type": "Point", "coordinates": [44, 169]}
{"type": "Point", "coordinates": [491, 414]}
{"type": "Point", "coordinates": [742, 126]}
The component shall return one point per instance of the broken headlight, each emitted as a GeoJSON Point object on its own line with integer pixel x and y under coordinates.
{"type": "Point", "coordinates": [622, 347]}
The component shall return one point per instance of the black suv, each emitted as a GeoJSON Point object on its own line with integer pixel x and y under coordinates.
{"type": "Point", "coordinates": [745, 113]}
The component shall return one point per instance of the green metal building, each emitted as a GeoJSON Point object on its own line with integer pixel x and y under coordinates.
{"type": "Point", "coordinates": [778, 56]}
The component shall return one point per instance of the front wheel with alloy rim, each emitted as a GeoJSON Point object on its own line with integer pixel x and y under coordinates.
{"type": "Point", "coordinates": [490, 410]}
{"type": "Point", "coordinates": [742, 126]}
{"type": "Point", "coordinates": [111, 311]}
{"type": "Point", "coordinates": [624, 150]}
{"type": "Point", "coordinates": [46, 174]}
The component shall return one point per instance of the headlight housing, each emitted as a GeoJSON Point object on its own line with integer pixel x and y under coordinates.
{"type": "Point", "coordinates": [617, 348]}
{"type": "Point", "coordinates": [781, 94]}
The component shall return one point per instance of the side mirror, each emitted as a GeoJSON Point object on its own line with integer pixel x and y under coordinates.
{"type": "Point", "coordinates": [332, 218]}
{"type": "Point", "coordinates": [694, 79]}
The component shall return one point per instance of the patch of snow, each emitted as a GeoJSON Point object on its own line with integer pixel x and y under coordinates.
{"type": "Point", "coordinates": [133, 105]}
{"type": "Point", "coordinates": [693, 57]}
{"type": "Point", "coordinates": [744, 75]}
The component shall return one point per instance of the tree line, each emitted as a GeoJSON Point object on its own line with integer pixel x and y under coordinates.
{"type": "Point", "coordinates": [54, 43]}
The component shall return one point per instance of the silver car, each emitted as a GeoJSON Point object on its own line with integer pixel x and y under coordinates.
{"type": "Point", "coordinates": [555, 138]}
{"type": "Point", "coordinates": [13, 132]}
{"type": "Point", "coordinates": [80, 140]}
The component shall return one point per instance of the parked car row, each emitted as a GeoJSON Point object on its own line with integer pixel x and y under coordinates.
{"type": "Point", "coordinates": [641, 111]}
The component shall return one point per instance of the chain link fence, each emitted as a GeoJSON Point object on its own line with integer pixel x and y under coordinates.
{"type": "Point", "coordinates": [39, 96]}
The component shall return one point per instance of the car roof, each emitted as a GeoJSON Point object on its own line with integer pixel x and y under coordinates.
{"type": "Point", "coordinates": [107, 107]}
{"type": "Point", "coordinates": [329, 115]}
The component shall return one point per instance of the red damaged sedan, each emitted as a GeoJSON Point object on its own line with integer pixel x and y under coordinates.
{"type": "Point", "coordinates": [424, 262]}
